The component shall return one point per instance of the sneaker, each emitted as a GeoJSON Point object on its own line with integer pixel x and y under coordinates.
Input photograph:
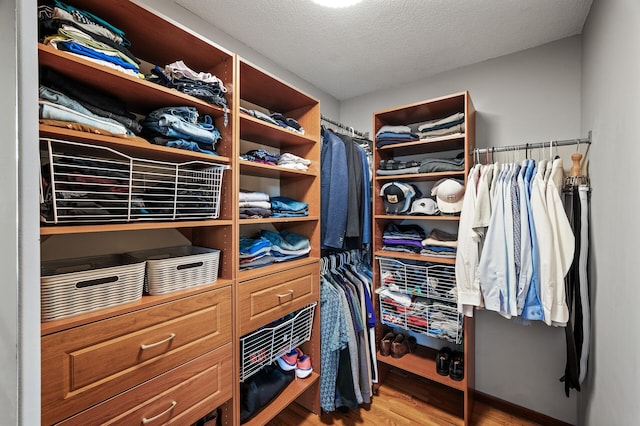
{"type": "Point", "coordinates": [303, 365]}
{"type": "Point", "coordinates": [288, 361]}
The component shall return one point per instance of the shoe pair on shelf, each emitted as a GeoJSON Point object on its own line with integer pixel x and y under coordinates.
{"type": "Point", "coordinates": [297, 360]}
{"type": "Point", "coordinates": [450, 363]}
{"type": "Point", "coordinates": [397, 345]}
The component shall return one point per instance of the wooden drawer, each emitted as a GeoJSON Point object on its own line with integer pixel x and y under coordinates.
{"type": "Point", "coordinates": [180, 396]}
{"type": "Point", "coordinates": [85, 365]}
{"type": "Point", "coordinates": [268, 298]}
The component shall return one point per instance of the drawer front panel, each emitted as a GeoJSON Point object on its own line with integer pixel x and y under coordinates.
{"type": "Point", "coordinates": [185, 393]}
{"type": "Point", "coordinates": [86, 365]}
{"type": "Point", "coordinates": [265, 299]}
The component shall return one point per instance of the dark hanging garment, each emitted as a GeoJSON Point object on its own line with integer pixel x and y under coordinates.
{"type": "Point", "coordinates": [354, 206]}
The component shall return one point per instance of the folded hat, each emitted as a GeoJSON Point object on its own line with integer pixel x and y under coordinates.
{"type": "Point", "coordinates": [426, 206]}
{"type": "Point", "coordinates": [449, 193]}
{"type": "Point", "coordinates": [397, 197]}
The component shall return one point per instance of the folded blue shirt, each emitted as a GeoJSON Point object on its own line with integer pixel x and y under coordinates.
{"type": "Point", "coordinates": [286, 204]}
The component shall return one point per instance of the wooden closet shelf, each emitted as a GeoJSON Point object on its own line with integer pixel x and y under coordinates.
{"type": "Point", "coordinates": [416, 217]}
{"type": "Point", "coordinates": [275, 267]}
{"type": "Point", "coordinates": [132, 226]}
{"type": "Point", "coordinates": [418, 257]}
{"type": "Point", "coordinates": [140, 95]}
{"type": "Point", "coordinates": [422, 362]}
{"type": "Point", "coordinates": [425, 146]}
{"type": "Point", "coordinates": [259, 131]}
{"type": "Point", "coordinates": [279, 220]}
{"type": "Point", "coordinates": [422, 176]}
{"type": "Point", "coordinates": [284, 399]}
{"type": "Point", "coordinates": [136, 147]}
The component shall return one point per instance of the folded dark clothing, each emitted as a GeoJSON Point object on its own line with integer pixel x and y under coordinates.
{"type": "Point", "coordinates": [400, 242]}
{"type": "Point", "coordinates": [287, 121]}
{"type": "Point", "coordinates": [254, 212]}
{"type": "Point", "coordinates": [401, 248]}
{"type": "Point", "coordinates": [394, 228]}
{"type": "Point", "coordinates": [396, 165]}
{"type": "Point", "coordinates": [129, 123]}
{"type": "Point", "coordinates": [392, 141]}
{"type": "Point", "coordinates": [432, 165]}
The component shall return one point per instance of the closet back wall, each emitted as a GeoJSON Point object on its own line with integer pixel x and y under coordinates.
{"type": "Point", "coordinates": [529, 96]}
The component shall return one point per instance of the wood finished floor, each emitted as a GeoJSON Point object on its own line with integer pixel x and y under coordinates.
{"type": "Point", "coordinates": [403, 400]}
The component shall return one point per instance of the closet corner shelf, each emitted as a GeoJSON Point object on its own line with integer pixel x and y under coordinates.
{"type": "Point", "coordinates": [423, 176]}
{"type": "Point", "coordinates": [279, 220]}
{"type": "Point", "coordinates": [130, 226]}
{"type": "Point", "coordinates": [265, 133]}
{"type": "Point", "coordinates": [284, 399]}
{"type": "Point", "coordinates": [131, 146]}
{"type": "Point", "coordinates": [422, 362]}
{"type": "Point", "coordinates": [425, 146]}
{"type": "Point", "coordinates": [265, 170]}
{"type": "Point", "coordinates": [418, 257]}
{"type": "Point", "coordinates": [250, 274]}
{"type": "Point", "coordinates": [417, 217]}
{"type": "Point", "coordinates": [139, 94]}
{"type": "Point", "coordinates": [146, 301]}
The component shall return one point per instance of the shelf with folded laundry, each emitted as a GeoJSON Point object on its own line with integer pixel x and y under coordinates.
{"type": "Point", "coordinates": [125, 39]}
{"type": "Point", "coordinates": [137, 93]}
{"type": "Point", "coordinates": [73, 106]}
{"type": "Point", "coordinates": [86, 184]}
{"type": "Point", "coordinates": [260, 205]}
{"type": "Point", "coordinates": [268, 343]}
{"type": "Point", "coordinates": [254, 129]}
{"type": "Point", "coordinates": [420, 315]}
{"type": "Point", "coordinates": [267, 247]}
{"type": "Point", "coordinates": [432, 167]}
{"type": "Point", "coordinates": [425, 279]}
{"type": "Point", "coordinates": [256, 160]}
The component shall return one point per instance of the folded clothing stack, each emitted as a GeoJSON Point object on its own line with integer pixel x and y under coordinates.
{"type": "Point", "coordinates": [440, 244]}
{"type": "Point", "coordinates": [288, 207]}
{"type": "Point", "coordinates": [181, 127]}
{"type": "Point", "coordinates": [81, 33]}
{"type": "Point", "coordinates": [426, 165]}
{"type": "Point", "coordinates": [90, 106]}
{"type": "Point", "coordinates": [202, 85]}
{"type": "Point", "coordinates": [403, 238]}
{"type": "Point", "coordinates": [291, 161]}
{"type": "Point", "coordinates": [389, 135]}
{"type": "Point", "coordinates": [254, 204]}
{"type": "Point", "coordinates": [442, 127]}
{"type": "Point", "coordinates": [268, 247]}
{"type": "Point", "coordinates": [276, 119]}
{"type": "Point", "coordinates": [261, 156]}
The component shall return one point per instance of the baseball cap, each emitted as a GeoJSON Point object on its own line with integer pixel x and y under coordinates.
{"type": "Point", "coordinates": [397, 197]}
{"type": "Point", "coordinates": [449, 194]}
{"type": "Point", "coordinates": [426, 206]}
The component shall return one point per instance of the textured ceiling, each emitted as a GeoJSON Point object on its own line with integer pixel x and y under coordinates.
{"type": "Point", "coordinates": [378, 44]}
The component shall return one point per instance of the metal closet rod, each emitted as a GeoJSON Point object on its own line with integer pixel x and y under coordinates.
{"type": "Point", "coordinates": [342, 126]}
{"type": "Point", "coordinates": [535, 145]}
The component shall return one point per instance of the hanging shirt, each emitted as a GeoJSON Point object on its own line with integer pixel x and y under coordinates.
{"type": "Point", "coordinates": [334, 191]}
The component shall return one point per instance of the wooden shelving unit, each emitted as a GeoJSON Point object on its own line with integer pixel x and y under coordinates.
{"type": "Point", "coordinates": [422, 361]}
{"type": "Point", "coordinates": [92, 364]}
{"type": "Point", "coordinates": [260, 299]}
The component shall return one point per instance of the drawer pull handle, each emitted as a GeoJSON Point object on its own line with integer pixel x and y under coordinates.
{"type": "Point", "coordinates": [151, 345]}
{"type": "Point", "coordinates": [287, 294]}
{"type": "Point", "coordinates": [146, 420]}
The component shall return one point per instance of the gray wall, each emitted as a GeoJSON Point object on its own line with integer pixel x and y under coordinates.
{"type": "Point", "coordinates": [329, 105]}
{"type": "Point", "coordinates": [529, 96]}
{"type": "Point", "coordinates": [610, 88]}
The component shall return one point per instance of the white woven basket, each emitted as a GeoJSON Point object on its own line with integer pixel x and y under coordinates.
{"type": "Point", "coordinates": [176, 268]}
{"type": "Point", "coordinates": [76, 286]}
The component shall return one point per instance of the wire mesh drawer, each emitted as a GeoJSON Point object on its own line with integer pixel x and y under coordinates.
{"type": "Point", "coordinates": [76, 286]}
{"type": "Point", "coordinates": [176, 268]}
{"type": "Point", "coordinates": [265, 345]}
{"type": "Point", "coordinates": [423, 316]}
{"type": "Point", "coordinates": [435, 281]}
{"type": "Point", "coordinates": [92, 184]}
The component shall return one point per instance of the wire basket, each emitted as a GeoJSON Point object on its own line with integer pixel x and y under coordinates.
{"type": "Point", "coordinates": [93, 184]}
{"type": "Point", "coordinates": [265, 345]}
{"type": "Point", "coordinates": [176, 268]}
{"type": "Point", "coordinates": [423, 316]}
{"type": "Point", "coordinates": [435, 281]}
{"type": "Point", "coordinates": [75, 286]}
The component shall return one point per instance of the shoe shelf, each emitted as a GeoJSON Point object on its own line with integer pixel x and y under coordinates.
{"type": "Point", "coordinates": [266, 344]}
{"type": "Point", "coordinates": [422, 362]}
{"type": "Point", "coordinates": [290, 394]}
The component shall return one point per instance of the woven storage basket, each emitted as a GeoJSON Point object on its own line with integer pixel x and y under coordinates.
{"type": "Point", "coordinates": [176, 268]}
{"type": "Point", "coordinates": [75, 286]}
